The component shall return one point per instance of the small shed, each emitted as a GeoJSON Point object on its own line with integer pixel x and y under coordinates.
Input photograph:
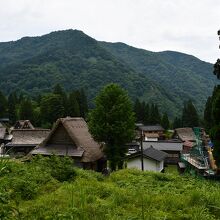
{"type": "Point", "coordinates": [153, 160]}
{"type": "Point", "coordinates": [71, 137]}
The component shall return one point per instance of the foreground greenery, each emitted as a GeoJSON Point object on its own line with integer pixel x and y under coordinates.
{"type": "Point", "coordinates": [52, 189]}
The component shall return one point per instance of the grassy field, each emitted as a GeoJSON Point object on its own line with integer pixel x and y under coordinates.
{"type": "Point", "coordinates": [52, 189]}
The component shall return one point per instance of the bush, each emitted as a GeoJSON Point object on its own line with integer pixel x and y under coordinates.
{"type": "Point", "coordinates": [60, 168]}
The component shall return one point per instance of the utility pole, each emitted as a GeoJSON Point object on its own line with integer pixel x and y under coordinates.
{"type": "Point", "coordinates": [142, 153]}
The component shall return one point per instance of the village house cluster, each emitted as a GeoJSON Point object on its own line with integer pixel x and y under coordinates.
{"type": "Point", "coordinates": [150, 150]}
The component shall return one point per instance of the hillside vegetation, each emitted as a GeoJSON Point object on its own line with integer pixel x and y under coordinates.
{"type": "Point", "coordinates": [183, 77]}
{"type": "Point", "coordinates": [52, 189]}
{"type": "Point", "coordinates": [71, 58]}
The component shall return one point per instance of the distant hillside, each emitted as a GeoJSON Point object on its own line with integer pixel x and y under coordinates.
{"type": "Point", "coordinates": [35, 64]}
{"type": "Point", "coordinates": [182, 76]}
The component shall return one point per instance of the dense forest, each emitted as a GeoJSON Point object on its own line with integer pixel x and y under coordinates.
{"type": "Point", "coordinates": [44, 109]}
{"type": "Point", "coordinates": [33, 65]}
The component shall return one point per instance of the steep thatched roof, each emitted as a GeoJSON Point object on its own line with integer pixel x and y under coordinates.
{"type": "Point", "coordinates": [185, 134]}
{"type": "Point", "coordinates": [23, 124]}
{"type": "Point", "coordinates": [28, 137]}
{"type": "Point", "coordinates": [83, 145]}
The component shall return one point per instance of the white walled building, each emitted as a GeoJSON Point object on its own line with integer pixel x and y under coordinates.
{"type": "Point", "coordinates": [153, 160]}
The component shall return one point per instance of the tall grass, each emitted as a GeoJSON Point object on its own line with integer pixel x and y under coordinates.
{"type": "Point", "coordinates": [125, 194]}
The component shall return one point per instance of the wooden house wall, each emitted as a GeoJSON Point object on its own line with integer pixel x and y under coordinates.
{"type": "Point", "coordinates": [60, 137]}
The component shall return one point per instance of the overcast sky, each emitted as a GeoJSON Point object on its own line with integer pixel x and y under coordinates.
{"type": "Point", "coordinates": [188, 26]}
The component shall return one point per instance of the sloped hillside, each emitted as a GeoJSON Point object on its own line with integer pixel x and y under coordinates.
{"type": "Point", "coordinates": [51, 188]}
{"type": "Point", "coordinates": [34, 65]}
{"type": "Point", "coordinates": [182, 76]}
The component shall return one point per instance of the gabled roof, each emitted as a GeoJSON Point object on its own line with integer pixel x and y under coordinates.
{"type": "Point", "coordinates": [86, 147]}
{"type": "Point", "coordinates": [185, 134]}
{"type": "Point", "coordinates": [28, 137]}
{"type": "Point", "coordinates": [23, 124]}
{"type": "Point", "coordinates": [150, 153]}
{"type": "Point", "coordinates": [151, 128]}
{"type": "Point", "coordinates": [164, 145]}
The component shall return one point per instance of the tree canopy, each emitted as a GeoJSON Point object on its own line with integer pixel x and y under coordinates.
{"type": "Point", "coordinates": [112, 122]}
{"type": "Point", "coordinates": [190, 116]}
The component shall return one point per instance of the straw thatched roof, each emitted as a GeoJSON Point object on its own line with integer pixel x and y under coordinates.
{"type": "Point", "coordinates": [28, 137]}
{"type": "Point", "coordinates": [185, 134]}
{"type": "Point", "coordinates": [70, 136]}
{"type": "Point", "coordinates": [23, 124]}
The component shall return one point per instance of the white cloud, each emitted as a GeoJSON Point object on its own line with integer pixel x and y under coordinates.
{"type": "Point", "coordinates": [183, 25]}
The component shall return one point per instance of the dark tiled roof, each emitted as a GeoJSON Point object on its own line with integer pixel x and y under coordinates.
{"type": "Point", "coordinates": [164, 145]}
{"type": "Point", "coordinates": [150, 153]}
{"type": "Point", "coordinates": [155, 154]}
{"type": "Point", "coordinates": [151, 128]}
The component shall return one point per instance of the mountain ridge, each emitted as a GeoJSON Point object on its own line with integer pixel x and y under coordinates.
{"type": "Point", "coordinates": [35, 64]}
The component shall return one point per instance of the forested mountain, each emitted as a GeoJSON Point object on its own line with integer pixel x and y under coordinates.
{"type": "Point", "coordinates": [182, 76]}
{"type": "Point", "coordinates": [35, 64]}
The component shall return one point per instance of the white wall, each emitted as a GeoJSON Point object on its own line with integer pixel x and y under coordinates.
{"type": "Point", "coordinates": [149, 164]}
{"type": "Point", "coordinates": [150, 139]}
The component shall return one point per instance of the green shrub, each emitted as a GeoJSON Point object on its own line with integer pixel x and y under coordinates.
{"type": "Point", "coordinates": [60, 168]}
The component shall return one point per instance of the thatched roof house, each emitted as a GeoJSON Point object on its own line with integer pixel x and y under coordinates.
{"type": "Point", "coordinates": [70, 137]}
{"type": "Point", "coordinates": [23, 124]}
{"type": "Point", "coordinates": [25, 140]}
{"type": "Point", "coordinates": [185, 134]}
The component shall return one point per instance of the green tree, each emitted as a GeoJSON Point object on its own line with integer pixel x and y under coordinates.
{"type": "Point", "coordinates": [12, 112]}
{"type": "Point", "coordinates": [112, 122]}
{"type": "Point", "coordinates": [26, 110]}
{"type": "Point", "coordinates": [58, 90]}
{"type": "Point", "coordinates": [177, 123]}
{"type": "Point", "coordinates": [190, 116]}
{"type": "Point", "coordinates": [154, 117]}
{"type": "Point", "coordinates": [165, 121]}
{"type": "Point", "coordinates": [208, 119]}
{"type": "Point", "coordinates": [51, 108]}
{"type": "Point", "coordinates": [217, 68]}
{"type": "Point", "coordinates": [73, 105]}
{"type": "Point", "coordinates": [212, 112]}
{"type": "Point", "coordinates": [3, 105]}
{"type": "Point", "coordinates": [82, 101]}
